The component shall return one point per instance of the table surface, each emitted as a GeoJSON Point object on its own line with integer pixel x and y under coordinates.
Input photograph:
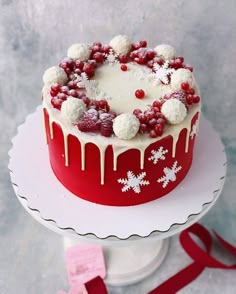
{"type": "Point", "coordinates": [34, 37]}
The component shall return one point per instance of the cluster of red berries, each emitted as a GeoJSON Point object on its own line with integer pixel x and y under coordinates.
{"type": "Point", "coordinates": [142, 55]}
{"type": "Point", "coordinates": [72, 67]}
{"type": "Point", "coordinates": [152, 121]}
{"type": "Point", "coordinates": [186, 95]}
{"type": "Point", "coordinates": [97, 120]}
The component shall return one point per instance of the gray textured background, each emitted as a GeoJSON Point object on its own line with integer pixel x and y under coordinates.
{"type": "Point", "coordinates": [35, 35]}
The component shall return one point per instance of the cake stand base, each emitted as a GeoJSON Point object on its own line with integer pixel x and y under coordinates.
{"type": "Point", "coordinates": [129, 264]}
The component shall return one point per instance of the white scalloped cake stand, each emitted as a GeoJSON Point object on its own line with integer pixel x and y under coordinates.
{"type": "Point", "coordinates": [134, 238]}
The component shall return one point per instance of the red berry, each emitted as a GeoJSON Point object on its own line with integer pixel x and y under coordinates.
{"type": "Point", "coordinates": [55, 87]}
{"type": "Point", "coordinates": [157, 103]}
{"type": "Point", "coordinates": [196, 99]}
{"type": "Point", "coordinates": [103, 105]}
{"type": "Point", "coordinates": [185, 86]}
{"type": "Point", "coordinates": [156, 109]}
{"type": "Point", "coordinates": [94, 105]}
{"type": "Point", "coordinates": [189, 99]}
{"type": "Point", "coordinates": [139, 94]}
{"type": "Point", "coordinates": [56, 103]}
{"type": "Point", "coordinates": [124, 67]}
{"type": "Point", "coordinates": [79, 64]}
{"type": "Point", "coordinates": [68, 70]}
{"type": "Point", "coordinates": [123, 58]}
{"type": "Point", "coordinates": [178, 63]}
{"type": "Point", "coordinates": [62, 96]}
{"type": "Point", "coordinates": [142, 118]}
{"type": "Point", "coordinates": [72, 85]}
{"type": "Point", "coordinates": [86, 100]}
{"type": "Point", "coordinates": [98, 57]}
{"type": "Point", "coordinates": [97, 44]}
{"type": "Point", "coordinates": [151, 54]}
{"type": "Point", "coordinates": [189, 67]}
{"type": "Point", "coordinates": [89, 69]}
{"type": "Point", "coordinates": [73, 93]}
{"type": "Point", "coordinates": [150, 63]}
{"type": "Point", "coordinates": [172, 63]}
{"type": "Point", "coordinates": [152, 122]}
{"type": "Point", "coordinates": [106, 49]}
{"type": "Point", "coordinates": [64, 89]}
{"type": "Point", "coordinates": [191, 91]}
{"type": "Point", "coordinates": [53, 93]}
{"type": "Point", "coordinates": [161, 121]}
{"type": "Point", "coordinates": [141, 59]}
{"type": "Point", "coordinates": [143, 128]}
{"type": "Point", "coordinates": [149, 114]}
{"type": "Point", "coordinates": [159, 115]}
{"type": "Point", "coordinates": [77, 71]}
{"type": "Point", "coordinates": [106, 124]}
{"type": "Point", "coordinates": [159, 129]}
{"type": "Point", "coordinates": [153, 134]}
{"type": "Point", "coordinates": [143, 43]}
{"type": "Point", "coordinates": [137, 112]}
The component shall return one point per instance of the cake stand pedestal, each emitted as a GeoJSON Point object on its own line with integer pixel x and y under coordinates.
{"type": "Point", "coordinates": [135, 239]}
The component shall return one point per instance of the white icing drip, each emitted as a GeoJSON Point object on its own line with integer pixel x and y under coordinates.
{"type": "Point", "coordinates": [51, 127]}
{"type": "Point", "coordinates": [142, 152]}
{"type": "Point", "coordinates": [82, 146]}
{"type": "Point", "coordinates": [187, 139]}
{"type": "Point", "coordinates": [65, 135]}
{"type": "Point", "coordinates": [102, 164]}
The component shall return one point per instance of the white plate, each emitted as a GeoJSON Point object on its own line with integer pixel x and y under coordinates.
{"type": "Point", "coordinates": [47, 199]}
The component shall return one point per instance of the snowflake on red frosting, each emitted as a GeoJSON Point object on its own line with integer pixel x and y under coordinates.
{"type": "Point", "coordinates": [133, 182]}
{"type": "Point", "coordinates": [170, 174]}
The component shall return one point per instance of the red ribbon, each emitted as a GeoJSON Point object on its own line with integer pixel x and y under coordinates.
{"type": "Point", "coordinates": [201, 260]}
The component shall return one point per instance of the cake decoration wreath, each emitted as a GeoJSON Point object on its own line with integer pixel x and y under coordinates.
{"type": "Point", "coordinates": [78, 94]}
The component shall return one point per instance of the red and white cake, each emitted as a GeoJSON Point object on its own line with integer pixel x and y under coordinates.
{"type": "Point", "coordinates": [121, 121]}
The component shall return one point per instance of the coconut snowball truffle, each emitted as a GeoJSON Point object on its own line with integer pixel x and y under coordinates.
{"type": "Point", "coordinates": [126, 126]}
{"type": "Point", "coordinates": [165, 51]}
{"type": "Point", "coordinates": [79, 51]}
{"type": "Point", "coordinates": [55, 74]}
{"type": "Point", "coordinates": [180, 76]}
{"type": "Point", "coordinates": [121, 44]}
{"type": "Point", "coordinates": [174, 111]}
{"type": "Point", "coordinates": [72, 109]}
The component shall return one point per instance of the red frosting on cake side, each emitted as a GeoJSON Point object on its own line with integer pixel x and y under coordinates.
{"type": "Point", "coordinates": [86, 183]}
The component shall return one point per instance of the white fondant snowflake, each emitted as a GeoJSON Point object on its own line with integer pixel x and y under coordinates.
{"type": "Point", "coordinates": [158, 155]}
{"type": "Point", "coordinates": [170, 174]}
{"type": "Point", "coordinates": [195, 129]}
{"type": "Point", "coordinates": [111, 57]}
{"type": "Point", "coordinates": [133, 182]}
{"type": "Point", "coordinates": [162, 72]}
{"type": "Point", "coordinates": [102, 95]}
{"type": "Point", "coordinates": [90, 85]}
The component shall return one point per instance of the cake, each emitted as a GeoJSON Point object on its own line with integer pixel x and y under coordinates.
{"type": "Point", "coordinates": [121, 121]}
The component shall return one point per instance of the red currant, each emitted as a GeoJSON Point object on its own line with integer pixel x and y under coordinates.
{"type": "Point", "coordinates": [189, 99]}
{"type": "Point", "coordinates": [185, 86]}
{"type": "Point", "coordinates": [196, 99]}
{"type": "Point", "coordinates": [143, 43]}
{"type": "Point", "coordinates": [159, 129]}
{"type": "Point", "coordinates": [98, 57]}
{"type": "Point", "coordinates": [139, 94]}
{"type": "Point", "coordinates": [191, 91]}
{"type": "Point", "coordinates": [123, 67]}
{"type": "Point", "coordinates": [137, 111]}
{"type": "Point", "coordinates": [153, 134]}
{"type": "Point", "coordinates": [123, 58]}
{"type": "Point", "coordinates": [143, 128]}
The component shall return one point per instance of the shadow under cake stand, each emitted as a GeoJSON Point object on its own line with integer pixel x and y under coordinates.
{"type": "Point", "coordinates": [134, 238]}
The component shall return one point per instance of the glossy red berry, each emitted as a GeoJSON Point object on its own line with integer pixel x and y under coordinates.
{"type": "Point", "coordinates": [191, 91]}
{"type": "Point", "coordinates": [123, 67]}
{"type": "Point", "coordinates": [189, 99]}
{"type": "Point", "coordinates": [159, 129]}
{"type": "Point", "coordinates": [139, 94]}
{"type": "Point", "coordinates": [143, 128]}
{"type": "Point", "coordinates": [98, 57]}
{"type": "Point", "coordinates": [137, 111]}
{"type": "Point", "coordinates": [196, 99]}
{"type": "Point", "coordinates": [123, 58]}
{"type": "Point", "coordinates": [153, 134]}
{"type": "Point", "coordinates": [143, 43]}
{"type": "Point", "coordinates": [185, 86]}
